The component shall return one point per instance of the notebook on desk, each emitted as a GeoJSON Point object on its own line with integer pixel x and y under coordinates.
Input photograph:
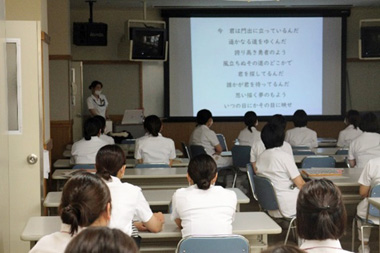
{"type": "Point", "coordinates": [322, 172]}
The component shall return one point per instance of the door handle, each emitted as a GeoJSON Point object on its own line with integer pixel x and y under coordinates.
{"type": "Point", "coordinates": [32, 159]}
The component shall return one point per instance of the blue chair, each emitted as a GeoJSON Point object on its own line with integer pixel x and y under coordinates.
{"type": "Point", "coordinates": [303, 152]}
{"type": "Point", "coordinates": [342, 151]}
{"type": "Point", "coordinates": [300, 147]}
{"type": "Point", "coordinates": [128, 141]}
{"type": "Point", "coordinates": [366, 223]}
{"type": "Point", "coordinates": [213, 244]}
{"type": "Point", "coordinates": [151, 165]}
{"type": "Point", "coordinates": [267, 198]}
{"type": "Point", "coordinates": [84, 166]}
{"type": "Point", "coordinates": [250, 174]}
{"type": "Point", "coordinates": [318, 162]}
{"type": "Point", "coordinates": [186, 150]}
{"type": "Point", "coordinates": [240, 158]}
{"type": "Point", "coordinates": [222, 142]}
{"type": "Point", "coordinates": [197, 150]}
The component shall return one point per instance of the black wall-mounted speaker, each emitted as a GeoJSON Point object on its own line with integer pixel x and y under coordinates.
{"type": "Point", "coordinates": [370, 42]}
{"type": "Point", "coordinates": [90, 34]}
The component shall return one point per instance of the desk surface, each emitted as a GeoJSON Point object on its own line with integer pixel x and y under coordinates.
{"type": "Point", "coordinates": [246, 223]}
{"type": "Point", "coordinates": [349, 177]}
{"type": "Point", "coordinates": [338, 158]}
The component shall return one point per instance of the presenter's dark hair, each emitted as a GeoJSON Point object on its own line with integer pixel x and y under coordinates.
{"type": "Point", "coordinates": [153, 124]}
{"type": "Point", "coordinates": [321, 213]}
{"type": "Point", "coordinates": [203, 116]}
{"type": "Point", "coordinates": [109, 160]}
{"type": "Point", "coordinates": [84, 198]}
{"type": "Point", "coordinates": [94, 83]}
{"type": "Point", "coordinates": [353, 118]}
{"type": "Point", "coordinates": [272, 136]}
{"type": "Point", "coordinates": [300, 118]}
{"type": "Point", "coordinates": [369, 123]}
{"type": "Point", "coordinates": [202, 169]}
{"type": "Point", "coordinates": [92, 126]}
{"type": "Point", "coordinates": [250, 119]}
{"type": "Point", "coordinates": [279, 120]}
{"type": "Point", "coordinates": [101, 239]}
{"type": "Point", "coordinates": [102, 121]}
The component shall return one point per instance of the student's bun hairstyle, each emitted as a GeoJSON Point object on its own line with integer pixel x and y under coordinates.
{"type": "Point", "coordinates": [109, 160]}
{"type": "Point", "coordinates": [283, 249]}
{"type": "Point", "coordinates": [153, 125]}
{"type": "Point", "coordinates": [203, 116]}
{"type": "Point", "coordinates": [102, 121]}
{"type": "Point", "coordinates": [272, 136]}
{"type": "Point", "coordinates": [369, 123]}
{"type": "Point", "coordinates": [250, 119]}
{"type": "Point", "coordinates": [278, 120]}
{"type": "Point", "coordinates": [321, 213]}
{"type": "Point", "coordinates": [84, 198]}
{"type": "Point", "coordinates": [300, 118]}
{"type": "Point", "coordinates": [353, 118]}
{"type": "Point", "coordinates": [202, 170]}
{"type": "Point", "coordinates": [94, 83]}
{"type": "Point", "coordinates": [92, 126]}
{"type": "Point", "coordinates": [101, 240]}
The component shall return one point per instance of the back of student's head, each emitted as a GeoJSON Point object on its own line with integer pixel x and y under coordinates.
{"type": "Point", "coordinates": [92, 127]}
{"type": "Point", "coordinates": [202, 170]}
{"type": "Point", "coordinates": [102, 121]}
{"type": "Point", "coordinates": [353, 118]}
{"type": "Point", "coordinates": [300, 118]}
{"type": "Point", "coordinates": [279, 120]}
{"type": "Point", "coordinates": [109, 160]}
{"type": "Point", "coordinates": [250, 120]}
{"type": "Point", "coordinates": [369, 123]}
{"type": "Point", "coordinates": [153, 124]}
{"type": "Point", "coordinates": [283, 249]}
{"type": "Point", "coordinates": [85, 197]}
{"type": "Point", "coordinates": [272, 136]}
{"type": "Point", "coordinates": [320, 211]}
{"type": "Point", "coordinates": [101, 240]}
{"type": "Point", "coordinates": [203, 116]}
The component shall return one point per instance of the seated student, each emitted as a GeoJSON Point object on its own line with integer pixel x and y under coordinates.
{"type": "Point", "coordinates": [102, 240]}
{"type": "Point", "coordinates": [86, 201]}
{"type": "Point", "coordinates": [203, 208]}
{"type": "Point", "coordinates": [300, 135]}
{"type": "Point", "coordinates": [280, 168]}
{"type": "Point", "coordinates": [259, 147]}
{"type": "Point", "coordinates": [103, 136]}
{"type": "Point", "coordinates": [127, 199]}
{"type": "Point", "coordinates": [352, 131]}
{"type": "Point", "coordinates": [249, 134]}
{"type": "Point", "coordinates": [204, 136]}
{"type": "Point", "coordinates": [370, 177]}
{"type": "Point", "coordinates": [321, 217]}
{"type": "Point", "coordinates": [367, 145]}
{"type": "Point", "coordinates": [153, 147]}
{"type": "Point", "coordinates": [84, 150]}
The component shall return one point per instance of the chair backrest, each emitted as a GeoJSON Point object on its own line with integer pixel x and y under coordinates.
{"type": "Point", "coordinates": [213, 244]}
{"type": "Point", "coordinates": [151, 165]}
{"type": "Point", "coordinates": [318, 162]}
{"type": "Point", "coordinates": [197, 150]}
{"type": "Point", "coordinates": [342, 151]}
{"type": "Point", "coordinates": [264, 191]}
{"type": "Point", "coordinates": [84, 166]}
{"type": "Point", "coordinates": [303, 152]}
{"type": "Point", "coordinates": [240, 155]}
{"type": "Point", "coordinates": [222, 142]}
{"type": "Point", "coordinates": [128, 141]}
{"type": "Point", "coordinates": [185, 150]}
{"type": "Point", "coordinates": [250, 174]}
{"type": "Point", "coordinates": [300, 147]}
{"type": "Point", "coordinates": [375, 193]}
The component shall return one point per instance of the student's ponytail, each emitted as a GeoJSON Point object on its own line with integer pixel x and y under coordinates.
{"type": "Point", "coordinates": [108, 161]}
{"type": "Point", "coordinates": [250, 119]}
{"type": "Point", "coordinates": [92, 127]}
{"type": "Point", "coordinates": [153, 124]}
{"type": "Point", "coordinates": [202, 170]}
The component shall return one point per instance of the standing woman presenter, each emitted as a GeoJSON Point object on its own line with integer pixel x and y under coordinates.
{"type": "Point", "coordinates": [97, 103]}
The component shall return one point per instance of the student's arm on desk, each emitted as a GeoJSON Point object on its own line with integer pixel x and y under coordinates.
{"type": "Point", "coordinates": [352, 163]}
{"type": "Point", "coordinates": [218, 149]}
{"type": "Point", "coordinates": [140, 160]}
{"type": "Point", "coordinates": [178, 222]}
{"type": "Point", "coordinates": [298, 181]}
{"type": "Point", "coordinates": [364, 190]}
{"type": "Point", "coordinates": [153, 225]}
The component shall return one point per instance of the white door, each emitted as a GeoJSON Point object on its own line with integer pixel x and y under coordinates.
{"type": "Point", "coordinates": [25, 139]}
{"type": "Point", "coordinates": [76, 98]}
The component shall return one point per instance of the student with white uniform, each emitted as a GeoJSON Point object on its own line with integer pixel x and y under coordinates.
{"type": "Point", "coordinates": [203, 208]}
{"type": "Point", "coordinates": [367, 145]}
{"type": "Point", "coordinates": [103, 136]}
{"type": "Point", "coordinates": [86, 201]}
{"type": "Point", "coordinates": [97, 103]}
{"type": "Point", "coordinates": [127, 200]}
{"type": "Point", "coordinates": [204, 136]}
{"type": "Point", "coordinates": [280, 168]}
{"type": "Point", "coordinates": [249, 134]}
{"type": "Point", "coordinates": [153, 147]}
{"type": "Point", "coordinates": [351, 131]}
{"type": "Point", "coordinates": [300, 135]}
{"type": "Point", "coordinates": [321, 217]}
{"type": "Point", "coordinates": [84, 150]}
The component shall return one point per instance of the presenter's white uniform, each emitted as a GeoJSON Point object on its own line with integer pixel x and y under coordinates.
{"type": "Point", "coordinates": [84, 152]}
{"type": "Point", "coordinates": [204, 212]}
{"type": "Point", "coordinates": [98, 104]}
{"type": "Point", "coordinates": [364, 148]}
{"type": "Point", "coordinates": [259, 147]}
{"type": "Point", "coordinates": [247, 138]}
{"type": "Point", "coordinates": [127, 202]}
{"type": "Point", "coordinates": [155, 149]}
{"type": "Point", "coordinates": [279, 167]}
{"type": "Point", "coordinates": [347, 135]}
{"type": "Point", "coordinates": [55, 242]}
{"type": "Point", "coordinates": [302, 136]}
{"type": "Point", "coordinates": [323, 246]}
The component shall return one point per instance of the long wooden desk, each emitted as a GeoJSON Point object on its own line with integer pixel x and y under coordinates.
{"type": "Point", "coordinates": [255, 226]}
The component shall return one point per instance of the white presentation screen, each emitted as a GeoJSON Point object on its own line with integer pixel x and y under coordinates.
{"type": "Point", "coordinates": [268, 65]}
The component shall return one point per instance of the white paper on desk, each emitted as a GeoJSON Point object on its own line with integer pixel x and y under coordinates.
{"type": "Point", "coordinates": [46, 164]}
